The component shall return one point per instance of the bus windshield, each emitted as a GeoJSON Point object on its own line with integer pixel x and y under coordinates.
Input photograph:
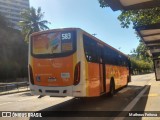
{"type": "Point", "coordinates": [53, 43]}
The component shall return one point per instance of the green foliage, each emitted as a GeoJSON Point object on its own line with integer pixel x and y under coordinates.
{"type": "Point", "coordinates": [140, 17]}
{"type": "Point", "coordinates": [137, 17]}
{"type": "Point", "coordinates": [3, 22]}
{"type": "Point", "coordinates": [141, 61]}
{"type": "Point", "coordinates": [13, 58]}
{"type": "Point", "coordinates": [32, 22]}
{"type": "Point", "coordinates": [103, 3]}
{"type": "Point", "coordinates": [14, 50]}
{"type": "Point", "coordinates": [140, 66]}
{"type": "Point", "coordinates": [142, 53]}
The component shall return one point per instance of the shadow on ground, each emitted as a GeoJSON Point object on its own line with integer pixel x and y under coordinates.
{"type": "Point", "coordinates": [102, 107]}
{"type": "Point", "coordinates": [26, 94]}
{"type": "Point", "coordinates": [139, 108]}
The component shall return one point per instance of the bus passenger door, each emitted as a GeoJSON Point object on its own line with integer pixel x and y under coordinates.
{"type": "Point", "coordinates": [102, 72]}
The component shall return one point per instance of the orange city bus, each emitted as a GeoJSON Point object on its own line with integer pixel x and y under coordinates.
{"type": "Point", "coordinates": [71, 62]}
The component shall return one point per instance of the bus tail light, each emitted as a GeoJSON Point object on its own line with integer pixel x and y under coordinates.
{"type": "Point", "coordinates": [77, 74]}
{"type": "Point", "coordinates": [31, 75]}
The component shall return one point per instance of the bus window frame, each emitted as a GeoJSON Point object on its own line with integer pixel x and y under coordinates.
{"type": "Point", "coordinates": [55, 55]}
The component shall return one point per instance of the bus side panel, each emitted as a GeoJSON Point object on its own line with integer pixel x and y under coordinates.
{"type": "Point", "coordinates": [124, 73]}
{"type": "Point", "coordinates": [119, 74]}
{"type": "Point", "coordinates": [93, 79]}
{"type": "Point", "coordinates": [108, 77]}
{"type": "Point", "coordinates": [114, 72]}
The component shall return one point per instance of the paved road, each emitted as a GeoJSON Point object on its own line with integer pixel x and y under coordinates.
{"type": "Point", "coordinates": [25, 102]}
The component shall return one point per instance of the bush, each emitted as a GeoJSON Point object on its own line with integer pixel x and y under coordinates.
{"type": "Point", "coordinates": [13, 58]}
{"type": "Point", "coordinates": [140, 66]}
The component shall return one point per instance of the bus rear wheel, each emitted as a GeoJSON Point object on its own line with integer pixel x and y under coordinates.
{"type": "Point", "coordinates": [112, 88]}
{"type": "Point", "coordinates": [128, 80]}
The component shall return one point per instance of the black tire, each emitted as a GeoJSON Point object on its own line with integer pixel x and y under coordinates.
{"type": "Point", "coordinates": [129, 78]}
{"type": "Point", "coordinates": [112, 88]}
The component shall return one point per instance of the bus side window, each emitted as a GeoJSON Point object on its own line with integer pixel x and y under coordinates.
{"type": "Point", "coordinates": [90, 49]}
{"type": "Point", "coordinates": [124, 61]}
{"type": "Point", "coordinates": [113, 57]}
{"type": "Point", "coordinates": [108, 56]}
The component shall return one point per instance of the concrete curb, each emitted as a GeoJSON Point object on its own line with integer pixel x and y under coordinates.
{"type": "Point", "coordinates": [13, 92]}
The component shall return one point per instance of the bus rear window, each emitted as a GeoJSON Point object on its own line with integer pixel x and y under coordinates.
{"type": "Point", "coordinates": [52, 43]}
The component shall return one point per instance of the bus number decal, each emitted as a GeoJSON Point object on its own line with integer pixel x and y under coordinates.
{"type": "Point", "coordinates": [66, 36]}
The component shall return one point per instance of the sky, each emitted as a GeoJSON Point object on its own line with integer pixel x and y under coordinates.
{"type": "Point", "coordinates": [89, 16]}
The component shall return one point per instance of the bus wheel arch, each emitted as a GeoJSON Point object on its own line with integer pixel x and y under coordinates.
{"type": "Point", "coordinates": [112, 87]}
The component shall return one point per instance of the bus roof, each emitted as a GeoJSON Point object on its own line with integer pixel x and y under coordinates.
{"type": "Point", "coordinates": [65, 29]}
{"type": "Point", "coordinates": [52, 30]}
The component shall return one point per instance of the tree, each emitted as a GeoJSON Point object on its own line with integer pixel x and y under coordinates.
{"type": "Point", "coordinates": [141, 61]}
{"type": "Point", "coordinates": [140, 66]}
{"type": "Point", "coordinates": [14, 51]}
{"type": "Point", "coordinates": [3, 23]}
{"type": "Point", "coordinates": [103, 3]}
{"type": "Point", "coordinates": [32, 22]}
{"type": "Point", "coordinates": [13, 58]}
{"type": "Point", "coordinates": [137, 17]}
{"type": "Point", "coordinates": [140, 58]}
{"type": "Point", "coordinates": [141, 53]}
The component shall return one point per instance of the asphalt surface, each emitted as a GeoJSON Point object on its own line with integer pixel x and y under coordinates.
{"type": "Point", "coordinates": [90, 108]}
